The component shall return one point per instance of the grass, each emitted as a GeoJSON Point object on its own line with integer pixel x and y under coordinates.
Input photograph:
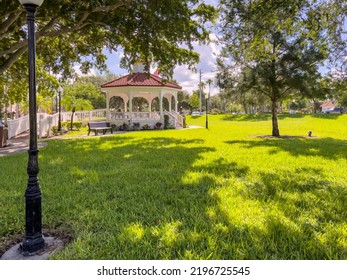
{"type": "Point", "coordinates": [222, 193]}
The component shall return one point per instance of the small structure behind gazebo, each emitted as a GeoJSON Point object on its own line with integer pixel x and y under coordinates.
{"type": "Point", "coordinates": [148, 86]}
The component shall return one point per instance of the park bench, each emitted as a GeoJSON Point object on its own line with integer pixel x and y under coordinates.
{"type": "Point", "coordinates": [96, 126]}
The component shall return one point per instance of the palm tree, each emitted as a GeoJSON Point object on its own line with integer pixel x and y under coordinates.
{"type": "Point", "coordinates": [73, 104]}
{"type": "Point", "coordinates": [209, 82]}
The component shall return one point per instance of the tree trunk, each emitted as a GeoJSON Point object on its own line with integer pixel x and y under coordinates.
{"type": "Point", "coordinates": [245, 107]}
{"type": "Point", "coordinates": [275, 130]}
{"type": "Point", "coordinates": [73, 112]}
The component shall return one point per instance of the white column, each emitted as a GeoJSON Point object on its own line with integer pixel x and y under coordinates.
{"type": "Point", "coordinates": [150, 105]}
{"type": "Point", "coordinates": [108, 117]}
{"type": "Point", "coordinates": [169, 99]}
{"type": "Point", "coordinates": [161, 107]}
{"type": "Point", "coordinates": [130, 104]}
{"type": "Point", "coordinates": [125, 105]}
{"type": "Point", "coordinates": [149, 100]}
{"type": "Point", "coordinates": [176, 102]}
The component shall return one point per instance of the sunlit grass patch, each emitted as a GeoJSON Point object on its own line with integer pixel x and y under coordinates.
{"type": "Point", "coordinates": [229, 192]}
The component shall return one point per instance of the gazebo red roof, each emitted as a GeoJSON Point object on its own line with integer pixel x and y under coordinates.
{"type": "Point", "coordinates": [141, 79]}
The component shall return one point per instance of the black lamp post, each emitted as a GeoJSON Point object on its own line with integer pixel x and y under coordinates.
{"type": "Point", "coordinates": [56, 103]}
{"type": "Point", "coordinates": [206, 99]}
{"type": "Point", "coordinates": [33, 241]}
{"type": "Point", "coordinates": [59, 115]}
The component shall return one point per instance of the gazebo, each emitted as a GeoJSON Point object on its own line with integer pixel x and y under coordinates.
{"type": "Point", "coordinates": [148, 86]}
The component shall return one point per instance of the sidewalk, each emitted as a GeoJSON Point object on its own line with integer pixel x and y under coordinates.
{"type": "Point", "coordinates": [18, 144]}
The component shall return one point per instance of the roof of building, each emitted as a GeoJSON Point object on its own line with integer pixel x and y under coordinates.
{"type": "Point", "coordinates": [327, 104]}
{"type": "Point", "coordinates": [141, 79]}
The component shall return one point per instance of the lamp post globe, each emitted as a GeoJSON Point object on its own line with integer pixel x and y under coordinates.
{"type": "Point", "coordinates": [33, 241]}
{"type": "Point", "coordinates": [37, 3]}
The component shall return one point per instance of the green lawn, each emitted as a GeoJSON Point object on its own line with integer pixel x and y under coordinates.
{"type": "Point", "coordinates": [223, 193]}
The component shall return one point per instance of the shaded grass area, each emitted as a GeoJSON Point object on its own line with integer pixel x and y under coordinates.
{"type": "Point", "coordinates": [191, 194]}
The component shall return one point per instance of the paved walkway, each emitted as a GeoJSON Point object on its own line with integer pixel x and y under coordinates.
{"type": "Point", "coordinates": [18, 144]}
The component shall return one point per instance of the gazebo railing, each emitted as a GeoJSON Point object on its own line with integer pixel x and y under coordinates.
{"type": "Point", "coordinates": [174, 118]}
{"type": "Point", "coordinates": [134, 115]}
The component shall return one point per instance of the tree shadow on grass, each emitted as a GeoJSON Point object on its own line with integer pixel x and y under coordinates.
{"type": "Point", "coordinates": [155, 198]}
{"type": "Point", "coordinates": [309, 212]}
{"type": "Point", "coordinates": [328, 148]}
{"type": "Point", "coordinates": [260, 117]}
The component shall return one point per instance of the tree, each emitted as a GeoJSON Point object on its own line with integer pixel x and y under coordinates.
{"type": "Point", "coordinates": [87, 91]}
{"type": "Point", "coordinates": [337, 84]}
{"type": "Point", "coordinates": [73, 104]}
{"type": "Point", "coordinates": [97, 80]}
{"type": "Point", "coordinates": [147, 30]}
{"type": "Point", "coordinates": [209, 82]}
{"type": "Point", "coordinates": [194, 101]}
{"type": "Point", "coordinates": [280, 44]}
{"type": "Point", "coordinates": [183, 99]}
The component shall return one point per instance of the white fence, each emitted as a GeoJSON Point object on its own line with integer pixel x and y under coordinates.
{"type": "Point", "coordinates": [18, 126]}
{"type": "Point", "coordinates": [45, 121]}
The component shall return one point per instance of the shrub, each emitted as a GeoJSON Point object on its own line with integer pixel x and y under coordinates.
{"type": "Point", "coordinates": [215, 111]}
{"type": "Point", "coordinates": [184, 122]}
{"type": "Point", "coordinates": [124, 126]}
{"type": "Point", "coordinates": [54, 130]}
{"type": "Point", "coordinates": [166, 122]}
{"type": "Point", "coordinates": [145, 127]}
{"type": "Point", "coordinates": [158, 125]}
{"type": "Point", "coordinates": [77, 125]}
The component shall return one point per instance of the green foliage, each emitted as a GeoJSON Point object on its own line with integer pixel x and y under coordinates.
{"type": "Point", "coordinates": [279, 54]}
{"type": "Point", "coordinates": [215, 111]}
{"type": "Point", "coordinates": [184, 122]}
{"type": "Point", "coordinates": [87, 91]}
{"type": "Point", "coordinates": [64, 27]}
{"type": "Point", "coordinates": [73, 104]}
{"type": "Point", "coordinates": [145, 127]}
{"type": "Point", "coordinates": [124, 127]}
{"type": "Point", "coordinates": [166, 121]}
{"type": "Point", "coordinates": [158, 125]}
{"type": "Point", "coordinates": [226, 193]}
{"type": "Point", "coordinates": [55, 131]}
{"type": "Point", "coordinates": [183, 100]}
{"type": "Point", "coordinates": [194, 101]}
{"type": "Point", "coordinates": [77, 125]}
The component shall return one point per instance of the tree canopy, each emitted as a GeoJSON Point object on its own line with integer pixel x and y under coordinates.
{"type": "Point", "coordinates": [78, 31]}
{"type": "Point", "coordinates": [275, 47]}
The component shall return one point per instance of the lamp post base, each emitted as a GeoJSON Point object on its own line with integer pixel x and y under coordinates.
{"type": "Point", "coordinates": [31, 246]}
{"type": "Point", "coordinates": [52, 245]}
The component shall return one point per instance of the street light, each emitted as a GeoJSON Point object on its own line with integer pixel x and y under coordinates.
{"type": "Point", "coordinates": [60, 89]}
{"type": "Point", "coordinates": [206, 99]}
{"type": "Point", "coordinates": [209, 81]}
{"type": "Point", "coordinates": [33, 241]}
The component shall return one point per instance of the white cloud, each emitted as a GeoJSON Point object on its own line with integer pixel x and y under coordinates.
{"type": "Point", "coordinates": [113, 62]}
{"type": "Point", "coordinates": [91, 72]}
{"type": "Point", "coordinates": [188, 79]}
